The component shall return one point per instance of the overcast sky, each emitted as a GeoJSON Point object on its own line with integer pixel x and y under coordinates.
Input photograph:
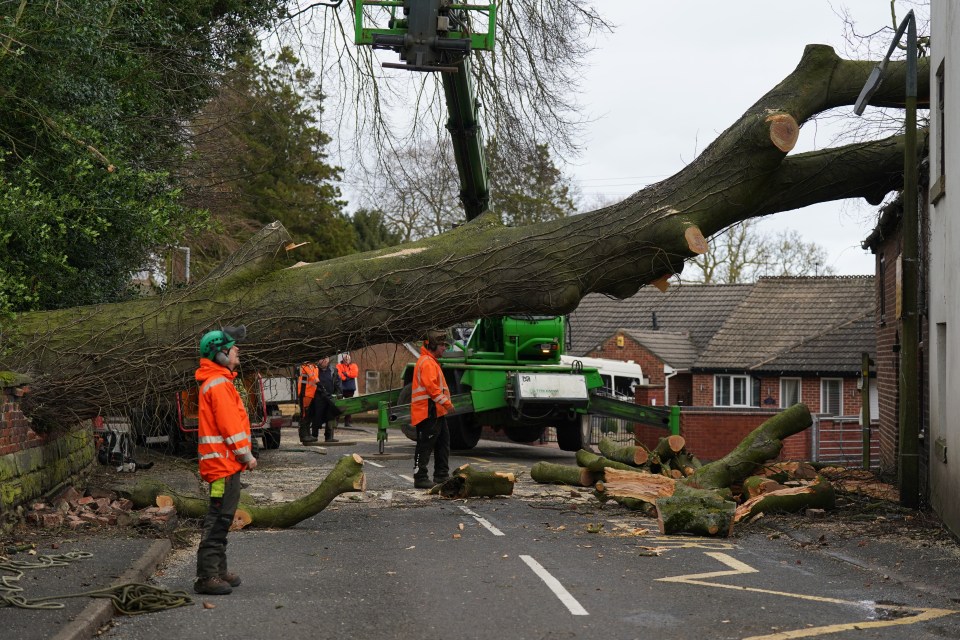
{"type": "Point", "coordinates": [675, 74]}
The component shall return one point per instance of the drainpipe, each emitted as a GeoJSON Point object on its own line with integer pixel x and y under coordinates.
{"type": "Point", "coordinates": [668, 372]}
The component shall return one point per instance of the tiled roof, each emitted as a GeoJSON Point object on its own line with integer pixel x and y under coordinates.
{"type": "Point", "coordinates": [673, 348]}
{"type": "Point", "coordinates": [817, 325]}
{"type": "Point", "coordinates": [698, 310]}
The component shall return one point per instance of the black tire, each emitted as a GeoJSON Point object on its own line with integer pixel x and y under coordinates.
{"type": "Point", "coordinates": [271, 438]}
{"type": "Point", "coordinates": [573, 434]}
{"type": "Point", "coordinates": [404, 398]}
{"type": "Point", "coordinates": [524, 434]}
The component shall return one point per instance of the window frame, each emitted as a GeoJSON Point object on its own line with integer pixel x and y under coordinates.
{"type": "Point", "coordinates": [823, 395]}
{"type": "Point", "coordinates": [799, 382]}
{"type": "Point", "coordinates": [747, 390]}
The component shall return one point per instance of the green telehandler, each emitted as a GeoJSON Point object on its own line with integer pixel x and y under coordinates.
{"type": "Point", "coordinates": [508, 374]}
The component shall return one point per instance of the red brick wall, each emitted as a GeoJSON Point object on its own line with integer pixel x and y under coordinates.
{"type": "Point", "coordinates": [887, 358]}
{"type": "Point", "coordinates": [15, 432]}
{"type": "Point", "coordinates": [770, 388]}
{"type": "Point", "coordinates": [710, 435]}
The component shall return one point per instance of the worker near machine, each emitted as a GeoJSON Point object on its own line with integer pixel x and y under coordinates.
{"type": "Point", "coordinates": [224, 447]}
{"type": "Point", "coordinates": [323, 411]}
{"type": "Point", "coordinates": [429, 403]}
{"type": "Point", "coordinates": [306, 390]}
{"type": "Point", "coordinates": [348, 372]}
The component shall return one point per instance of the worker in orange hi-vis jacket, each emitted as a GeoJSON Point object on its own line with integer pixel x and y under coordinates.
{"type": "Point", "coordinates": [224, 447]}
{"type": "Point", "coordinates": [306, 391]}
{"type": "Point", "coordinates": [429, 403]}
{"type": "Point", "coordinates": [348, 372]}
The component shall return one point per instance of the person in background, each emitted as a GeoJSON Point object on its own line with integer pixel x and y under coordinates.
{"type": "Point", "coordinates": [323, 410]}
{"type": "Point", "coordinates": [224, 447]}
{"type": "Point", "coordinates": [306, 390]}
{"type": "Point", "coordinates": [348, 372]}
{"type": "Point", "coordinates": [429, 403]}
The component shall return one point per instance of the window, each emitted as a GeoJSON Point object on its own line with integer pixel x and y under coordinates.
{"type": "Point", "coordinates": [831, 396]}
{"type": "Point", "coordinates": [789, 392]}
{"type": "Point", "coordinates": [731, 391]}
{"type": "Point", "coordinates": [939, 185]}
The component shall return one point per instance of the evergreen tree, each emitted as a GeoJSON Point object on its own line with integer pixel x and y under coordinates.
{"type": "Point", "coordinates": [529, 188]}
{"type": "Point", "coordinates": [372, 232]}
{"type": "Point", "coordinates": [260, 156]}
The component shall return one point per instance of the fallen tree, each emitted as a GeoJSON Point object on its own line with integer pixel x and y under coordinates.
{"type": "Point", "coordinates": [346, 476]}
{"type": "Point", "coordinates": [702, 503]}
{"type": "Point", "coordinates": [81, 359]}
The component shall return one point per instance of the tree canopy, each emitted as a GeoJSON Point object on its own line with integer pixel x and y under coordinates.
{"type": "Point", "coordinates": [93, 94]}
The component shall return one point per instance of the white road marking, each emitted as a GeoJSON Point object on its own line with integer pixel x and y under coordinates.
{"type": "Point", "coordinates": [568, 600]}
{"type": "Point", "coordinates": [373, 463]}
{"type": "Point", "coordinates": [407, 478]}
{"type": "Point", "coordinates": [486, 523]}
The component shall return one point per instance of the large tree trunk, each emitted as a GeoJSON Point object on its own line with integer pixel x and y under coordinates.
{"type": "Point", "coordinates": [93, 359]}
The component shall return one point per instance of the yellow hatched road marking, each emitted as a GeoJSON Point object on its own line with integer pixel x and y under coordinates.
{"type": "Point", "coordinates": [740, 568]}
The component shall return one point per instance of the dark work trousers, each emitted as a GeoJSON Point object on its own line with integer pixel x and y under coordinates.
{"type": "Point", "coordinates": [212, 554]}
{"type": "Point", "coordinates": [433, 436]}
{"type": "Point", "coordinates": [323, 413]}
{"type": "Point", "coordinates": [348, 393]}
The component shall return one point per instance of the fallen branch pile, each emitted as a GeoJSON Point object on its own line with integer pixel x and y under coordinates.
{"type": "Point", "coordinates": [689, 497]}
{"type": "Point", "coordinates": [96, 508]}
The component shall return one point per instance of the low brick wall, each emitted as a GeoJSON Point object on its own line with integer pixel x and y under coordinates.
{"type": "Point", "coordinates": [33, 464]}
{"type": "Point", "coordinates": [711, 433]}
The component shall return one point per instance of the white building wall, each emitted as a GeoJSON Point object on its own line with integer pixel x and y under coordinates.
{"type": "Point", "coordinates": [944, 277]}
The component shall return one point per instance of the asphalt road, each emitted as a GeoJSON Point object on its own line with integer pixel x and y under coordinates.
{"type": "Point", "coordinates": [396, 563]}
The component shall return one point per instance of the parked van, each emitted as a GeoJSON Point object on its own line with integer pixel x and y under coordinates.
{"type": "Point", "coordinates": [620, 378]}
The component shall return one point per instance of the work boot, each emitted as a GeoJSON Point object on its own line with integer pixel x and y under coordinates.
{"type": "Point", "coordinates": [212, 586]}
{"type": "Point", "coordinates": [231, 578]}
{"type": "Point", "coordinates": [330, 439]}
{"type": "Point", "coordinates": [422, 483]}
{"type": "Point", "coordinates": [304, 433]}
{"type": "Point", "coordinates": [440, 479]}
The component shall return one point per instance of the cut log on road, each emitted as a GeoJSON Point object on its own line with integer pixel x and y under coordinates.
{"type": "Point", "coordinates": [817, 494]}
{"type": "Point", "coordinates": [762, 444]}
{"type": "Point", "coordinates": [346, 476]}
{"type": "Point", "coordinates": [697, 511]}
{"type": "Point", "coordinates": [639, 485]}
{"type": "Point", "coordinates": [548, 472]}
{"type": "Point", "coordinates": [467, 482]}
{"type": "Point", "coordinates": [633, 455]}
{"type": "Point", "coordinates": [668, 448]}
{"type": "Point", "coordinates": [598, 463]}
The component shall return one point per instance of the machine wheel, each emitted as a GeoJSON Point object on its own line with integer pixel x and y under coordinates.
{"type": "Point", "coordinates": [271, 438]}
{"type": "Point", "coordinates": [404, 398]}
{"type": "Point", "coordinates": [574, 434]}
{"type": "Point", "coordinates": [524, 434]}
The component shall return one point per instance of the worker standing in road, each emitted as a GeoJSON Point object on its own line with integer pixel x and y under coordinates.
{"type": "Point", "coordinates": [322, 410]}
{"type": "Point", "coordinates": [429, 403]}
{"type": "Point", "coordinates": [306, 390]}
{"type": "Point", "coordinates": [224, 448]}
{"type": "Point", "coordinates": [348, 372]}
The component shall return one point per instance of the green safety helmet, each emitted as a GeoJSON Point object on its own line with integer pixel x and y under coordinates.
{"type": "Point", "coordinates": [213, 342]}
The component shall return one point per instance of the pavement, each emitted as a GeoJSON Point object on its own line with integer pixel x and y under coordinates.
{"type": "Point", "coordinates": [112, 562]}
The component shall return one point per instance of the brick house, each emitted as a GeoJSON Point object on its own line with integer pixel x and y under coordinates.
{"type": "Point", "coordinates": [733, 355]}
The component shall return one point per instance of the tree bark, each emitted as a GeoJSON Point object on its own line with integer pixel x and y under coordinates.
{"type": "Point", "coordinates": [816, 494]}
{"type": "Point", "coordinates": [103, 358]}
{"type": "Point", "coordinates": [550, 473]}
{"type": "Point", "coordinates": [635, 456]}
{"type": "Point", "coordinates": [467, 482]}
{"type": "Point", "coordinates": [346, 476]}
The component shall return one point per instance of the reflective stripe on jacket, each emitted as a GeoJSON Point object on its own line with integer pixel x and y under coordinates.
{"type": "Point", "coordinates": [223, 436]}
{"type": "Point", "coordinates": [348, 375]}
{"type": "Point", "coordinates": [429, 385]}
{"type": "Point", "coordinates": [307, 384]}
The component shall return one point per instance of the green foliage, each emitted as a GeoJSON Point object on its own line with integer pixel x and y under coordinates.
{"type": "Point", "coordinates": [92, 99]}
{"type": "Point", "coordinates": [527, 189]}
{"type": "Point", "coordinates": [267, 159]}
{"type": "Point", "coordinates": [372, 232]}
